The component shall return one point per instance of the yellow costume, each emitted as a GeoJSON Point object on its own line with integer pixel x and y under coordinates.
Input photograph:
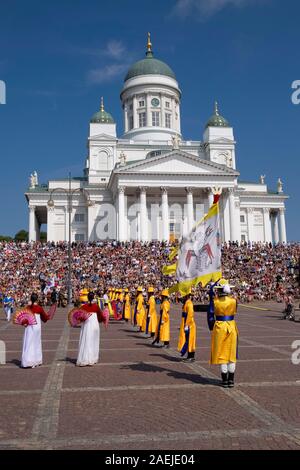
{"type": "Point", "coordinates": [187, 333]}
{"type": "Point", "coordinates": [152, 317]}
{"type": "Point", "coordinates": [127, 305]}
{"type": "Point", "coordinates": [225, 333]}
{"type": "Point", "coordinates": [84, 296]}
{"type": "Point", "coordinates": [164, 328]}
{"type": "Point", "coordinates": [139, 308]}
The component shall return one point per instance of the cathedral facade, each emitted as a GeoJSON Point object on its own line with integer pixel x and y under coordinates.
{"type": "Point", "coordinates": [151, 183]}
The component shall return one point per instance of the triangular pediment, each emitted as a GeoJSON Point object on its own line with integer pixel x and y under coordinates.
{"type": "Point", "coordinates": [176, 162]}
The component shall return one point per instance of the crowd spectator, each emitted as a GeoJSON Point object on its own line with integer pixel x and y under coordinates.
{"type": "Point", "coordinates": [259, 271]}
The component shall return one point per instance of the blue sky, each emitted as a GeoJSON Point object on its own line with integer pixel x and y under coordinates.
{"type": "Point", "coordinates": [59, 57]}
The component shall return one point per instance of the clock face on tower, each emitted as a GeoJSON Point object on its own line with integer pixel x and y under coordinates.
{"type": "Point", "coordinates": [155, 102]}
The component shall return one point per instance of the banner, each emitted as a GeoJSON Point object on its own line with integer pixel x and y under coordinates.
{"type": "Point", "coordinates": [199, 254]}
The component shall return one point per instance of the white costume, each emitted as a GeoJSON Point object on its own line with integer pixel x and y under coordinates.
{"type": "Point", "coordinates": [32, 345]}
{"type": "Point", "coordinates": [89, 342]}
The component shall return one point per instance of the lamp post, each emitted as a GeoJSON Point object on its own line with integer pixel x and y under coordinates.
{"type": "Point", "coordinates": [70, 193]}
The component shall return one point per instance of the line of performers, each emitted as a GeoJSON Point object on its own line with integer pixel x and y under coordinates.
{"type": "Point", "coordinates": [143, 316]}
{"type": "Point", "coordinates": [220, 318]}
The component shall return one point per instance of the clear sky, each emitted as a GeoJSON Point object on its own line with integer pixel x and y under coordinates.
{"type": "Point", "coordinates": [59, 57]}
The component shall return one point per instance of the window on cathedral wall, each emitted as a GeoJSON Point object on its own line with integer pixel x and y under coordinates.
{"type": "Point", "coordinates": [142, 119]}
{"type": "Point", "coordinates": [168, 120]}
{"type": "Point", "coordinates": [141, 103]}
{"type": "Point", "coordinates": [79, 237]}
{"type": "Point", "coordinates": [155, 118]}
{"type": "Point", "coordinates": [130, 119]}
{"type": "Point", "coordinates": [167, 104]}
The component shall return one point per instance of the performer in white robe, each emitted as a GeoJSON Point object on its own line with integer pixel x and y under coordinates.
{"type": "Point", "coordinates": [32, 340]}
{"type": "Point", "coordinates": [89, 341]}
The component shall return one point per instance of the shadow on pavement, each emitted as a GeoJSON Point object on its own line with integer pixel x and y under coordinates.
{"type": "Point", "coordinates": [194, 378]}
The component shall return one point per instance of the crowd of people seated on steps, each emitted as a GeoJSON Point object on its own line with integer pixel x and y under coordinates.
{"type": "Point", "coordinates": [259, 271]}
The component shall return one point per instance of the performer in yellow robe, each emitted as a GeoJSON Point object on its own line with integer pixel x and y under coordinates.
{"type": "Point", "coordinates": [139, 311]}
{"type": "Point", "coordinates": [187, 333]}
{"type": "Point", "coordinates": [225, 335]}
{"type": "Point", "coordinates": [127, 305]}
{"type": "Point", "coordinates": [83, 297]}
{"type": "Point", "coordinates": [151, 323]}
{"type": "Point", "coordinates": [163, 327]}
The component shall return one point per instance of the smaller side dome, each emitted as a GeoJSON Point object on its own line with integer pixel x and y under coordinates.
{"type": "Point", "coordinates": [216, 120]}
{"type": "Point", "coordinates": [102, 116]}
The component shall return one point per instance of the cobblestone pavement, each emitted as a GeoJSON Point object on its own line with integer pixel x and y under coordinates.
{"type": "Point", "coordinates": [143, 397]}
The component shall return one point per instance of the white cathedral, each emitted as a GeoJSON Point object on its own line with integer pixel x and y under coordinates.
{"type": "Point", "coordinates": [151, 183]}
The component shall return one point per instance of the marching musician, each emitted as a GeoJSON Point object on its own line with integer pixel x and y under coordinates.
{"type": "Point", "coordinates": [187, 332]}
{"type": "Point", "coordinates": [225, 334]}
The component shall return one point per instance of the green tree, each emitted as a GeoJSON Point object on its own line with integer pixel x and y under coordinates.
{"type": "Point", "coordinates": [21, 236]}
{"type": "Point", "coordinates": [5, 238]}
{"type": "Point", "coordinates": [43, 236]}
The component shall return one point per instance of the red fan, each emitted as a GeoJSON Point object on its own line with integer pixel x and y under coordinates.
{"type": "Point", "coordinates": [77, 316]}
{"type": "Point", "coordinates": [24, 317]}
{"type": "Point", "coordinates": [52, 311]}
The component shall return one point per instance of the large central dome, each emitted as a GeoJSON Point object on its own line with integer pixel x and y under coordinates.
{"type": "Point", "coordinates": [149, 66]}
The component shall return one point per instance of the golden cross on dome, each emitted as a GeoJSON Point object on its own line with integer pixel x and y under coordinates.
{"type": "Point", "coordinates": [149, 44]}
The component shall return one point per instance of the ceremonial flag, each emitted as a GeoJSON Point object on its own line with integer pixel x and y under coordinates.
{"type": "Point", "coordinates": [199, 253]}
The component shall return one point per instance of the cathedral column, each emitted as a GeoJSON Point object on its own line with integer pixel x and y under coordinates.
{"type": "Point", "coordinates": [226, 215]}
{"type": "Point", "coordinates": [121, 214]}
{"type": "Point", "coordinates": [190, 209]}
{"type": "Point", "coordinates": [165, 215]}
{"type": "Point", "coordinates": [267, 225]}
{"type": "Point", "coordinates": [238, 221]}
{"type": "Point", "coordinates": [233, 221]}
{"type": "Point", "coordinates": [143, 215]}
{"type": "Point", "coordinates": [148, 110]}
{"type": "Point", "coordinates": [134, 112]}
{"type": "Point", "coordinates": [282, 228]}
{"type": "Point", "coordinates": [275, 228]}
{"type": "Point", "coordinates": [210, 197]}
{"type": "Point", "coordinates": [91, 222]}
{"type": "Point", "coordinates": [250, 223]}
{"type": "Point", "coordinates": [126, 126]}
{"type": "Point", "coordinates": [32, 224]}
{"type": "Point", "coordinates": [50, 224]}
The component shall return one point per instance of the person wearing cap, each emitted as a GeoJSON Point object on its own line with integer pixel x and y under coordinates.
{"type": "Point", "coordinates": [139, 309]}
{"type": "Point", "coordinates": [151, 322]}
{"type": "Point", "coordinates": [187, 332]}
{"type": "Point", "coordinates": [225, 334]}
{"type": "Point", "coordinates": [163, 327]}
{"type": "Point", "coordinates": [126, 307]}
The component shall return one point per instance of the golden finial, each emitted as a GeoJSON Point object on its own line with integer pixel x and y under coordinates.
{"type": "Point", "coordinates": [216, 109]}
{"type": "Point", "coordinates": [101, 104]}
{"type": "Point", "coordinates": [149, 44]}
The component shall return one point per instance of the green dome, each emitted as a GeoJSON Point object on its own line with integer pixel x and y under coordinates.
{"type": "Point", "coordinates": [216, 120]}
{"type": "Point", "coordinates": [149, 66]}
{"type": "Point", "coordinates": [102, 116]}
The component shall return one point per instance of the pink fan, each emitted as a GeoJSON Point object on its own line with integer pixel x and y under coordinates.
{"type": "Point", "coordinates": [52, 311]}
{"type": "Point", "coordinates": [24, 317]}
{"type": "Point", "coordinates": [77, 316]}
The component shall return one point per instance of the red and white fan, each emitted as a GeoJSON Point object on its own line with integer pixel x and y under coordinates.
{"type": "Point", "coordinates": [24, 317]}
{"type": "Point", "coordinates": [52, 311]}
{"type": "Point", "coordinates": [76, 316]}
